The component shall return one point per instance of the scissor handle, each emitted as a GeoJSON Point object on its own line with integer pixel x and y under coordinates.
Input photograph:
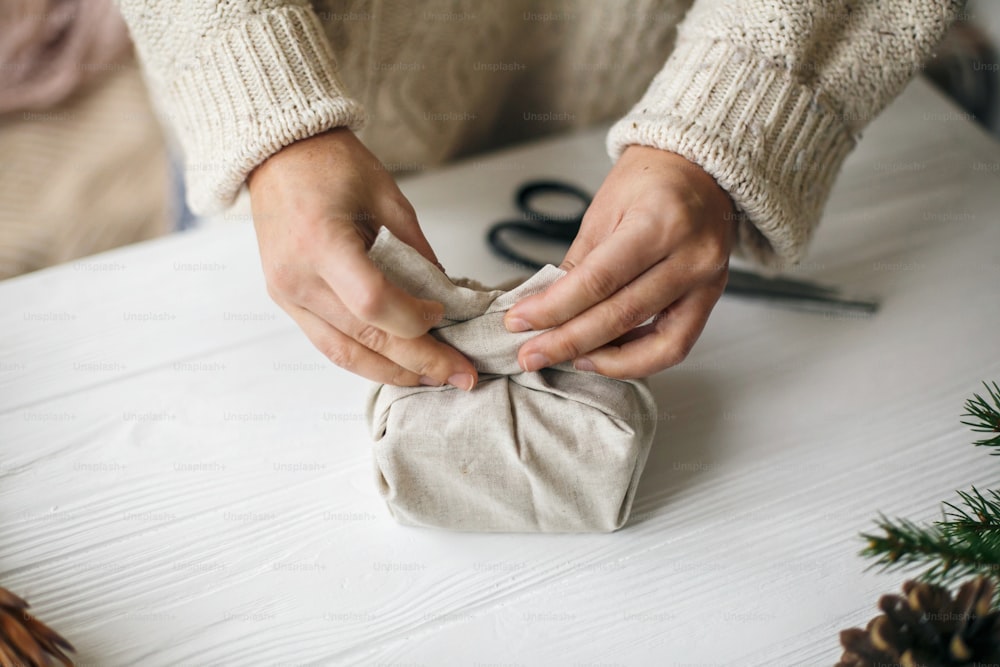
{"type": "Point", "coordinates": [500, 246]}
{"type": "Point", "coordinates": [532, 189]}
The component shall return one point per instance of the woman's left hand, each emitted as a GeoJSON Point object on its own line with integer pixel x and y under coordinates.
{"type": "Point", "coordinates": [654, 243]}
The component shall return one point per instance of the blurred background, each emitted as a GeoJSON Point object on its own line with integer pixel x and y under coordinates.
{"type": "Point", "coordinates": [85, 164]}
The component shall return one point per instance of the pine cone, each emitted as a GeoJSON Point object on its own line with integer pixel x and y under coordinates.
{"type": "Point", "coordinates": [925, 627]}
{"type": "Point", "coordinates": [24, 640]}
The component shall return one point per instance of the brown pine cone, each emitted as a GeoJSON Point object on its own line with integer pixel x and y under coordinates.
{"type": "Point", "coordinates": [24, 640]}
{"type": "Point", "coordinates": [925, 627]}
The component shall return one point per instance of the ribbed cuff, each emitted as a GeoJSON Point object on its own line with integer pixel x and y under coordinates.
{"type": "Point", "coordinates": [255, 89]}
{"type": "Point", "coordinates": [773, 144]}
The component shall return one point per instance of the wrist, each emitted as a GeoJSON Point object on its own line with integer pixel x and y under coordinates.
{"type": "Point", "coordinates": [335, 140]}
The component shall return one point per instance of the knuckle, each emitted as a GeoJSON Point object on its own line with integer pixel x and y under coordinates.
{"type": "Point", "coordinates": [428, 366]}
{"type": "Point", "coordinates": [717, 253]}
{"type": "Point", "coordinates": [658, 226]}
{"type": "Point", "coordinates": [397, 208]}
{"type": "Point", "coordinates": [597, 282]}
{"type": "Point", "coordinates": [369, 302]}
{"type": "Point", "coordinates": [567, 348]}
{"type": "Point", "coordinates": [719, 280]}
{"type": "Point", "coordinates": [289, 283]}
{"type": "Point", "coordinates": [339, 353]}
{"type": "Point", "coordinates": [422, 359]}
{"type": "Point", "coordinates": [678, 351]}
{"type": "Point", "coordinates": [710, 264]}
{"type": "Point", "coordinates": [661, 208]}
{"type": "Point", "coordinates": [372, 337]}
{"type": "Point", "coordinates": [626, 314]}
{"type": "Point", "coordinates": [641, 216]}
{"type": "Point", "coordinates": [272, 291]}
{"type": "Point", "coordinates": [401, 377]}
{"type": "Point", "coordinates": [568, 264]}
{"type": "Point", "coordinates": [682, 202]}
{"type": "Point", "coordinates": [281, 281]}
{"type": "Point", "coordinates": [402, 207]}
{"type": "Point", "coordinates": [671, 359]}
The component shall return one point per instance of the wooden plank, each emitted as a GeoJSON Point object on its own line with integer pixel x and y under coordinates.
{"type": "Point", "coordinates": [213, 502]}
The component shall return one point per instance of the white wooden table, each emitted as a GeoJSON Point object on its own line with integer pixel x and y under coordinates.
{"type": "Point", "coordinates": [185, 481]}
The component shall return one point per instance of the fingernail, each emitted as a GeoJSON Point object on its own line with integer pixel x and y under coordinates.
{"type": "Point", "coordinates": [516, 325]}
{"type": "Point", "coordinates": [461, 380]}
{"type": "Point", "coordinates": [429, 381]}
{"type": "Point", "coordinates": [535, 361]}
{"type": "Point", "coordinates": [584, 364]}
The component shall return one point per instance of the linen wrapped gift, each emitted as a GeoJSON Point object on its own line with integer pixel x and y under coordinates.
{"type": "Point", "coordinates": [558, 450]}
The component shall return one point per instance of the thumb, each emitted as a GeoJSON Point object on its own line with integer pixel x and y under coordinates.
{"type": "Point", "coordinates": [409, 232]}
{"type": "Point", "coordinates": [586, 240]}
{"type": "Point", "coordinates": [415, 238]}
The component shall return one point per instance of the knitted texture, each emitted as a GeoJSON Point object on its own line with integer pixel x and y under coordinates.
{"type": "Point", "coordinates": [237, 81]}
{"type": "Point", "coordinates": [768, 96]}
{"type": "Point", "coordinates": [66, 191]}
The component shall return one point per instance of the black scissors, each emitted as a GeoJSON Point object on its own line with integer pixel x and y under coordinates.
{"type": "Point", "coordinates": [539, 224]}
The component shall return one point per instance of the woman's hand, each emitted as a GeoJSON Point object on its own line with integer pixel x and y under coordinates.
{"type": "Point", "coordinates": [654, 243]}
{"type": "Point", "coordinates": [317, 205]}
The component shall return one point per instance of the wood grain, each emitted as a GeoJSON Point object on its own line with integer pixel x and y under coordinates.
{"type": "Point", "coordinates": [187, 487]}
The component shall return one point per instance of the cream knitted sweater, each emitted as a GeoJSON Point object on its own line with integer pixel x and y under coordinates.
{"type": "Point", "coordinates": [768, 96]}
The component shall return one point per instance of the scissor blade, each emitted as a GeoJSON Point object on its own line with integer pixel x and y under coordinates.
{"type": "Point", "coordinates": [797, 294]}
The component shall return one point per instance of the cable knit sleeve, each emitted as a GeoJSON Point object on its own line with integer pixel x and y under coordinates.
{"type": "Point", "coordinates": [237, 81]}
{"type": "Point", "coordinates": [769, 96]}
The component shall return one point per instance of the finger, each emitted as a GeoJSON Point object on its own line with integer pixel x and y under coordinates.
{"type": "Point", "coordinates": [425, 355]}
{"type": "Point", "coordinates": [668, 343]}
{"type": "Point", "coordinates": [412, 235]}
{"type": "Point", "coordinates": [588, 237]}
{"type": "Point", "coordinates": [628, 308]}
{"type": "Point", "coordinates": [403, 223]}
{"type": "Point", "coordinates": [348, 353]}
{"type": "Point", "coordinates": [609, 266]}
{"type": "Point", "coordinates": [371, 297]}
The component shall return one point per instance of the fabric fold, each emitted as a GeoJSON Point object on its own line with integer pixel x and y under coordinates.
{"type": "Point", "coordinates": [557, 450]}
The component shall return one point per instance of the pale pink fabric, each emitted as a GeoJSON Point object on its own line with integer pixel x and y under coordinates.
{"type": "Point", "coordinates": [49, 48]}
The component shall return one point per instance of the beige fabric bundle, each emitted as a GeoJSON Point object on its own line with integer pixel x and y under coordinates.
{"type": "Point", "coordinates": [557, 450]}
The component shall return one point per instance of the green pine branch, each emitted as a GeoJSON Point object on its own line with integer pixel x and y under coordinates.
{"type": "Point", "coordinates": [979, 515]}
{"type": "Point", "coordinates": [966, 542]}
{"type": "Point", "coordinates": [961, 546]}
{"type": "Point", "coordinates": [985, 417]}
{"type": "Point", "coordinates": [947, 551]}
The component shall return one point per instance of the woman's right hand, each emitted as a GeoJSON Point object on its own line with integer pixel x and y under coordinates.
{"type": "Point", "coordinates": [317, 206]}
